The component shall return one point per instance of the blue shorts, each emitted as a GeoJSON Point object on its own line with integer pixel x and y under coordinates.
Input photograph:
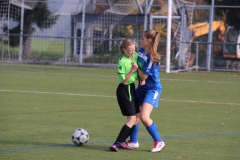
{"type": "Point", "coordinates": [150, 96]}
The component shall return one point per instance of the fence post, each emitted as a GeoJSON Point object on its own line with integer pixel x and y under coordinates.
{"type": "Point", "coordinates": [82, 32]}
{"type": "Point", "coordinates": [21, 33]}
{"type": "Point", "coordinates": [168, 48]}
{"type": "Point", "coordinates": [2, 47]}
{"type": "Point", "coordinates": [197, 56]}
{"type": "Point", "coordinates": [209, 48]}
{"type": "Point", "coordinates": [145, 15]}
{"type": "Point", "coordinates": [65, 51]}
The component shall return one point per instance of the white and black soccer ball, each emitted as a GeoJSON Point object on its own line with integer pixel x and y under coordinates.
{"type": "Point", "coordinates": [80, 136]}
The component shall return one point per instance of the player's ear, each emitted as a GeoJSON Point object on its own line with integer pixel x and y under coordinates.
{"type": "Point", "coordinates": [149, 40]}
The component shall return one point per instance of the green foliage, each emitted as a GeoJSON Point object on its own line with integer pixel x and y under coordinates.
{"type": "Point", "coordinates": [107, 59]}
{"type": "Point", "coordinates": [102, 54]}
{"type": "Point", "coordinates": [39, 15]}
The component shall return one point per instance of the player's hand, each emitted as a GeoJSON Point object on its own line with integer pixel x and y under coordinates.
{"type": "Point", "coordinates": [134, 66]}
{"type": "Point", "coordinates": [142, 82]}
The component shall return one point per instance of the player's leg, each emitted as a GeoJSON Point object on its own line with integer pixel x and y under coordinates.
{"type": "Point", "coordinates": [127, 107]}
{"type": "Point", "coordinates": [123, 134]}
{"type": "Point", "coordinates": [133, 142]}
{"type": "Point", "coordinates": [151, 127]}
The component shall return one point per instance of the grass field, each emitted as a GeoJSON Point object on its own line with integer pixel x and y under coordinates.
{"type": "Point", "coordinates": [41, 49]}
{"type": "Point", "coordinates": [40, 106]}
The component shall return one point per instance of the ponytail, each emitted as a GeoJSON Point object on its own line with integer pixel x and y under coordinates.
{"type": "Point", "coordinates": [155, 36]}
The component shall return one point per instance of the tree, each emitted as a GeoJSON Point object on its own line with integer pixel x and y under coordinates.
{"type": "Point", "coordinates": [35, 17]}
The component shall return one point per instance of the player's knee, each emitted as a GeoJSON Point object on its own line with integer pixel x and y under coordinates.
{"type": "Point", "coordinates": [132, 120]}
{"type": "Point", "coordinates": [144, 118]}
{"type": "Point", "coordinates": [138, 119]}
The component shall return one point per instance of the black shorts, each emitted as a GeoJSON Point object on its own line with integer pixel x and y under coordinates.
{"type": "Point", "coordinates": [127, 99]}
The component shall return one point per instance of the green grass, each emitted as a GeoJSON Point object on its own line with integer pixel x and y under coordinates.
{"type": "Point", "coordinates": [40, 106]}
{"type": "Point", "coordinates": [54, 49]}
{"type": "Point", "coordinates": [42, 49]}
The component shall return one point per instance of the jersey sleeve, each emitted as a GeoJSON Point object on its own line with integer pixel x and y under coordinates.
{"type": "Point", "coordinates": [121, 71]}
{"type": "Point", "coordinates": [147, 71]}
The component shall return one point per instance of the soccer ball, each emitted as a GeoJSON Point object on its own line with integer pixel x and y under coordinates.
{"type": "Point", "coordinates": [80, 136]}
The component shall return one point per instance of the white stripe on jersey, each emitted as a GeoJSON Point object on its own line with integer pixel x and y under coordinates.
{"type": "Point", "coordinates": [149, 65]}
{"type": "Point", "coordinates": [143, 56]}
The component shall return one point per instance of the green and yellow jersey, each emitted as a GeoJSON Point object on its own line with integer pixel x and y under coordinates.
{"type": "Point", "coordinates": [124, 66]}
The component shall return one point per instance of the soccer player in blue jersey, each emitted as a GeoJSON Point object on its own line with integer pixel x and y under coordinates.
{"type": "Point", "coordinates": [126, 93]}
{"type": "Point", "coordinates": [149, 88]}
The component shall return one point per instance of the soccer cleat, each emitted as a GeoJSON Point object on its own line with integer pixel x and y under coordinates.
{"type": "Point", "coordinates": [133, 145]}
{"type": "Point", "coordinates": [114, 147]}
{"type": "Point", "coordinates": [124, 145]}
{"type": "Point", "coordinates": [158, 146]}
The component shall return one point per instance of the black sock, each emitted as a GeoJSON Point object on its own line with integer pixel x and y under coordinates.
{"type": "Point", "coordinates": [124, 133]}
{"type": "Point", "coordinates": [131, 129]}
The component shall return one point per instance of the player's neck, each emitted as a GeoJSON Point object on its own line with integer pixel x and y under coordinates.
{"type": "Point", "coordinates": [146, 50]}
{"type": "Point", "coordinates": [128, 56]}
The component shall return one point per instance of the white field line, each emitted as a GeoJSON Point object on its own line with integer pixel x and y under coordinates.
{"type": "Point", "coordinates": [106, 96]}
{"type": "Point", "coordinates": [103, 76]}
{"type": "Point", "coordinates": [56, 93]}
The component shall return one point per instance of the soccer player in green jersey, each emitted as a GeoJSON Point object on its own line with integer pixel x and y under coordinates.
{"type": "Point", "coordinates": [126, 95]}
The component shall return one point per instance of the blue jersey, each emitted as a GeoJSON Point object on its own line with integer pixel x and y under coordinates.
{"type": "Point", "coordinates": [152, 69]}
{"type": "Point", "coordinates": [151, 91]}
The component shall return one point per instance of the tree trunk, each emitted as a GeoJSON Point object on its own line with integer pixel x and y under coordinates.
{"type": "Point", "coordinates": [27, 40]}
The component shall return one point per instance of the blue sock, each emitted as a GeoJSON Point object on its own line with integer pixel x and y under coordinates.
{"type": "Point", "coordinates": [153, 131]}
{"type": "Point", "coordinates": [134, 134]}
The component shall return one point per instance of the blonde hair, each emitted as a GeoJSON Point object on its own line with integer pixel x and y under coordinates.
{"type": "Point", "coordinates": [126, 43]}
{"type": "Point", "coordinates": [154, 36]}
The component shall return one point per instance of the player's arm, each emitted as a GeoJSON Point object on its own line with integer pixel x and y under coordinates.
{"type": "Point", "coordinates": [128, 76]}
{"type": "Point", "coordinates": [142, 75]}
